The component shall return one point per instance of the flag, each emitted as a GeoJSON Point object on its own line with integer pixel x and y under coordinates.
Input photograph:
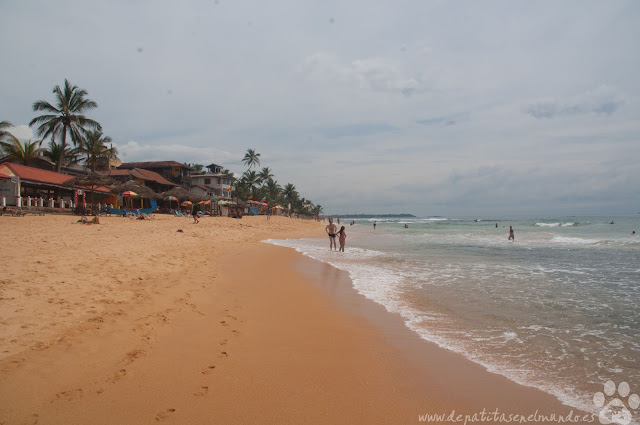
{"type": "Point", "coordinates": [263, 200]}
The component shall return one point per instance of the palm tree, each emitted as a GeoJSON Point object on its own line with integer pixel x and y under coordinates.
{"type": "Point", "coordinates": [66, 117]}
{"type": "Point", "coordinates": [273, 188]}
{"type": "Point", "coordinates": [4, 125]}
{"type": "Point", "coordinates": [67, 157]}
{"type": "Point", "coordinates": [94, 146]}
{"type": "Point", "coordinates": [251, 179]}
{"type": "Point", "coordinates": [289, 192]}
{"type": "Point", "coordinates": [23, 153]}
{"type": "Point", "coordinates": [265, 174]}
{"type": "Point", "coordinates": [251, 158]}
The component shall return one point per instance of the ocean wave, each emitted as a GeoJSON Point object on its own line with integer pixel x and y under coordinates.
{"type": "Point", "coordinates": [568, 224]}
{"type": "Point", "coordinates": [574, 241]}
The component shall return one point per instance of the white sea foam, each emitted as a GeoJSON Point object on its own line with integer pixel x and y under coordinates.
{"type": "Point", "coordinates": [569, 224]}
{"type": "Point", "coordinates": [574, 241]}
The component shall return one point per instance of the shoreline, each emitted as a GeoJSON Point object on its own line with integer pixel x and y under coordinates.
{"type": "Point", "coordinates": [213, 325]}
{"type": "Point", "coordinates": [428, 362]}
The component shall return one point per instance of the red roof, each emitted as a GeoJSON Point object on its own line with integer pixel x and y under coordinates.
{"type": "Point", "coordinates": [4, 176]}
{"type": "Point", "coordinates": [30, 174]}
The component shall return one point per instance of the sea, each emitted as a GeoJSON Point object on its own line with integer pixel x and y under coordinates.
{"type": "Point", "coordinates": [557, 309]}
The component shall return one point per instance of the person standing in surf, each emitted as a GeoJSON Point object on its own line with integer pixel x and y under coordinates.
{"type": "Point", "coordinates": [342, 237]}
{"type": "Point", "coordinates": [331, 230]}
{"type": "Point", "coordinates": [511, 236]}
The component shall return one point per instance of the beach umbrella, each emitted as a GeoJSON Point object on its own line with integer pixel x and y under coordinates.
{"type": "Point", "coordinates": [170, 199]}
{"type": "Point", "coordinates": [129, 194]}
{"type": "Point", "coordinates": [186, 203]}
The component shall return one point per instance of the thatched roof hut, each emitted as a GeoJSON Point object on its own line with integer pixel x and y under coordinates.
{"type": "Point", "coordinates": [183, 195]}
{"type": "Point", "coordinates": [132, 185]}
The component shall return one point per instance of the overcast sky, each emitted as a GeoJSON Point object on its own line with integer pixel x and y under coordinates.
{"type": "Point", "coordinates": [426, 107]}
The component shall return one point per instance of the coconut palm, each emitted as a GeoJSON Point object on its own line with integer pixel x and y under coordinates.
{"type": "Point", "coordinates": [66, 118]}
{"type": "Point", "coordinates": [252, 180]}
{"type": "Point", "coordinates": [4, 133]}
{"type": "Point", "coordinates": [265, 174]}
{"type": "Point", "coordinates": [273, 188]}
{"type": "Point", "coordinates": [289, 192]}
{"type": "Point", "coordinates": [94, 146]}
{"type": "Point", "coordinates": [22, 153]}
{"type": "Point", "coordinates": [67, 157]}
{"type": "Point", "coordinates": [251, 158]}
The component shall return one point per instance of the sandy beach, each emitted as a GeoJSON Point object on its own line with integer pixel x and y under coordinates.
{"type": "Point", "coordinates": [133, 322]}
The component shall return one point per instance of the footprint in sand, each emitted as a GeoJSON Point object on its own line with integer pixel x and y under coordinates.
{"type": "Point", "coordinates": [164, 415]}
{"type": "Point", "coordinates": [202, 391]}
{"type": "Point", "coordinates": [118, 375]}
{"type": "Point", "coordinates": [223, 354]}
{"type": "Point", "coordinates": [68, 395]}
{"type": "Point", "coordinates": [208, 370]}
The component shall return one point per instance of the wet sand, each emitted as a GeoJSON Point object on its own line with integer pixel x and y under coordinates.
{"type": "Point", "coordinates": [132, 322]}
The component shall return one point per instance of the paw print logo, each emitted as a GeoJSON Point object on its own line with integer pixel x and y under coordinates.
{"type": "Point", "coordinates": [615, 411]}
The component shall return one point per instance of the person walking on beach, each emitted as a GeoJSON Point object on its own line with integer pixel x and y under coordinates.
{"type": "Point", "coordinates": [511, 237]}
{"type": "Point", "coordinates": [331, 230]}
{"type": "Point", "coordinates": [269, 212]}
{"type": "Point", "coordinates": [342, 237]}
{"type": "Point", "coordinates": [374, 225]}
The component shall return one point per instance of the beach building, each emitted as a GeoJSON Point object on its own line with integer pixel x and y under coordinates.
{"type": "Point", "coordinates": [150, 179]}
{"type": "Point", "coordinates": [170, 170]}
{"type": "Point", "coordinates": [24, 186]}
{"type": "Point", "coordinates": [214, 184]}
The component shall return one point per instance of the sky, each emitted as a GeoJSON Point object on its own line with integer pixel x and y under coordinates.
{"type": "Point", "coordinates": [450, 108]}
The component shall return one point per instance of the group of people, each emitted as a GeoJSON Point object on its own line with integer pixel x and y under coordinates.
{"type": "Point", "coordinates": [333, 232]}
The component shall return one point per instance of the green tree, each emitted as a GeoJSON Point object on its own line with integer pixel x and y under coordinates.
{"type": "Point", "coordinates": [290, 194]}
{"type": "Point", "coordinates": [94, 146]}
{"type": "Point", "coordinates": [265, 175]}
{"type": "Point", "coordinates": [251, 158]}
{"type": "Point", "coordinates": [4, 133]}
{"type": "Point", "coordinates": [23, 153]}
{"type": "Point", "coordinates": [66, 117]}
{"type": "Point", "coordinates": [252, 180]}
{"type": "Point", "coordinates": [273, 189]}
{"type": "Point", "coordinates": [55, 154]}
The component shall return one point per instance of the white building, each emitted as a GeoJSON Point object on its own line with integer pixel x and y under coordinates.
{"type": "Point", "coordinates": [212, 184]}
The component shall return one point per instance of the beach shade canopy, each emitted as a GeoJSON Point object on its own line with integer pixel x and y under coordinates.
{"type": "Point", "coordinates": [91, 181]}
{"type": "Point", "coordinates": [133, 186]}
{"type": "Point", "coordinates": [181, 193]}
{"type": "Point", "coordinates": [226, 203]}
{"type": "Point", "coordinates": [186, 203]}
{"type": "Point", "coordinates": [170, 198]}
{"type": "Point", "coordinates": [129, 194]}
{"type": "Point", "coordinates": [207, 202]}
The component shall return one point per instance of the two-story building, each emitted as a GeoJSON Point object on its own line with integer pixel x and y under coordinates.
{"type": "Point", "coordinates": [214, 183]}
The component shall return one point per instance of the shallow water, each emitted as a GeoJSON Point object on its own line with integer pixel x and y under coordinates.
{"type": "Point", "coordinates": [557, 309]}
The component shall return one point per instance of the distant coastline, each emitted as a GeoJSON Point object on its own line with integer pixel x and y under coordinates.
{"type": "Point", "coordinates": [373, 215]}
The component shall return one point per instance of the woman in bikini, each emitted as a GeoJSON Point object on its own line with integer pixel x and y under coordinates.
{"type": "Point", "coordinates": [342, 237]}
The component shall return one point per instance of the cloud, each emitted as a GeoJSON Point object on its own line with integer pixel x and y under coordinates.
{"type": "Point", "coordinates": [133, 151]}
{"type": "Point", "coordinates": [447, 120]}
{"type": "Point", "coordinates": [21, 132]}
{"type": "Point", "coordinates": [603, 100]}
{"type": "Point", "coordinates": [374, 74]}
{"type": "Point", "coordinates": [358, 130]}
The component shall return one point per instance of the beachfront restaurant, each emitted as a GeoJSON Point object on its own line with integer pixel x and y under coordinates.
{"type": "Point", "coordinates": [27, 187]}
